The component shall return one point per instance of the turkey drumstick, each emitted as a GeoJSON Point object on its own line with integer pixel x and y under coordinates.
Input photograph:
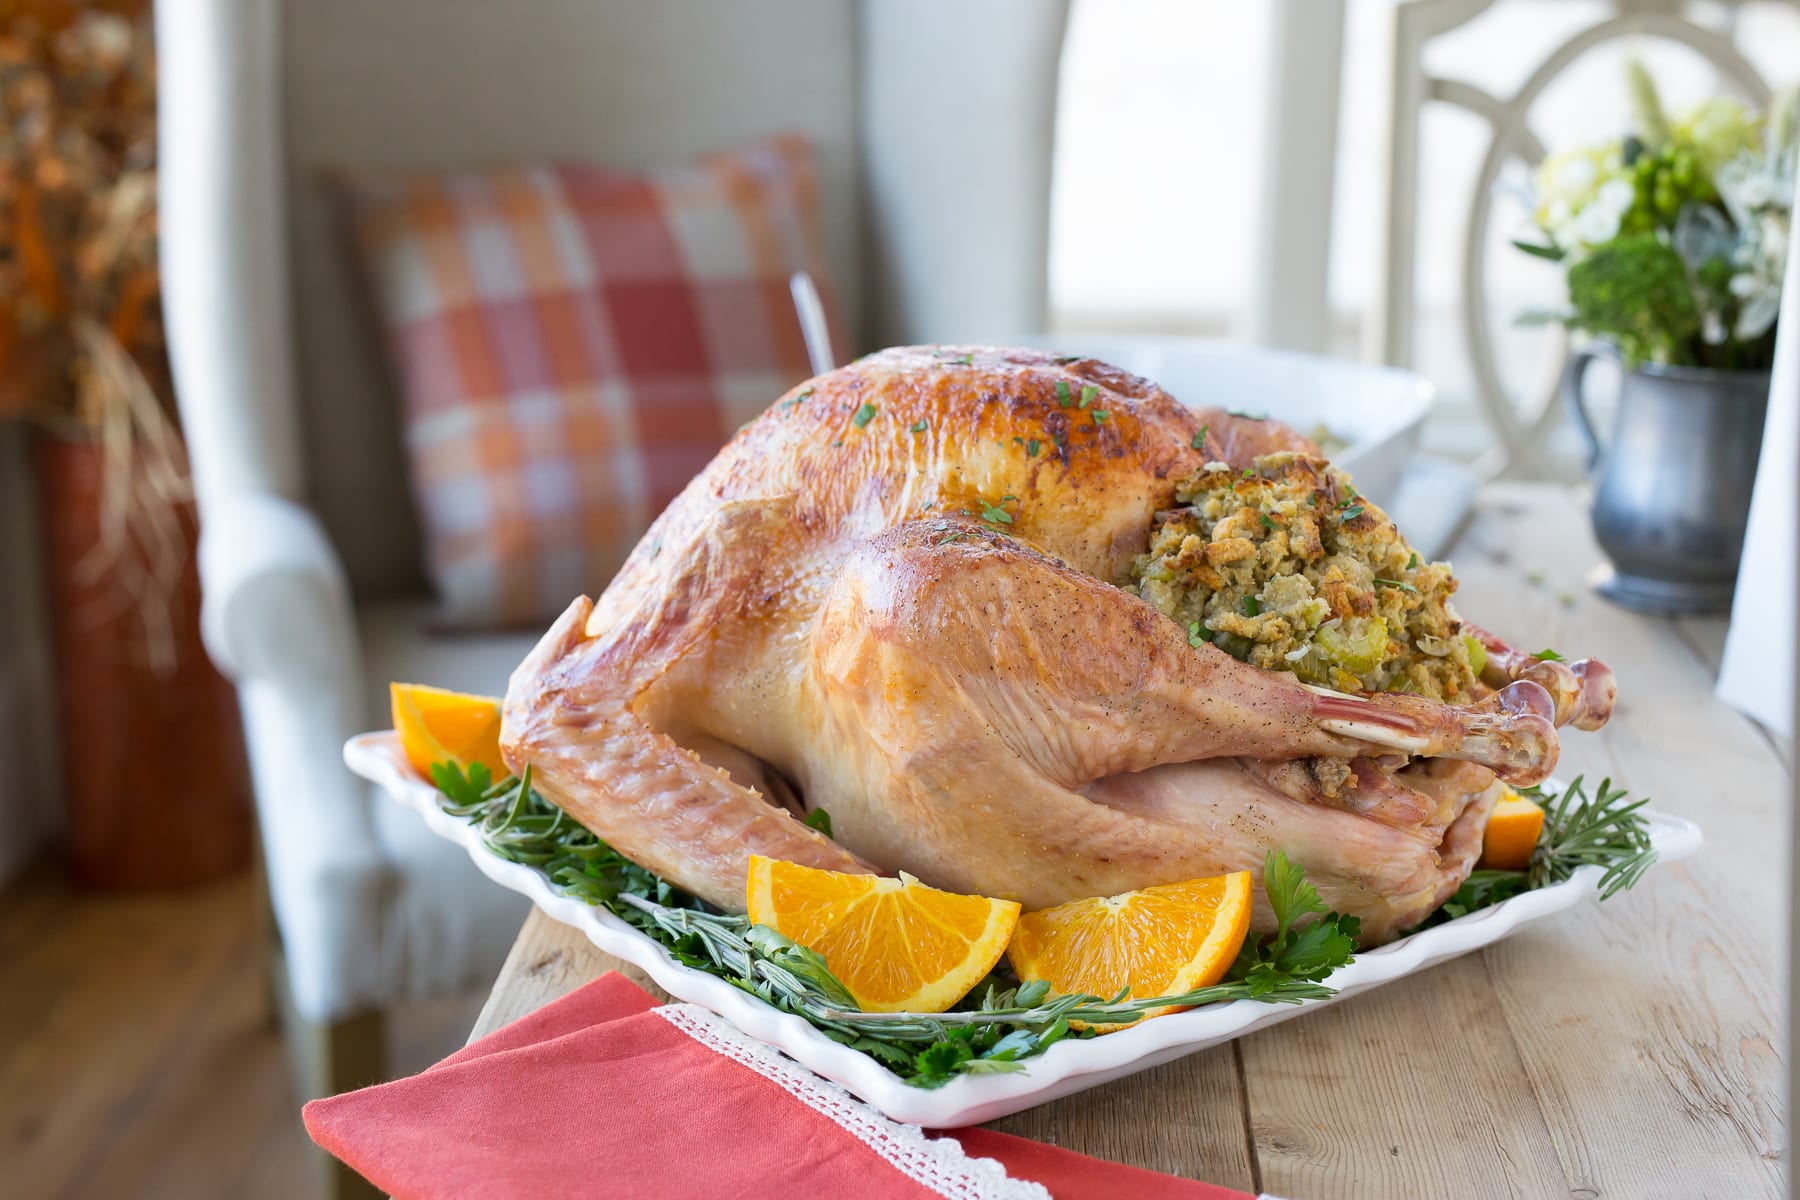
{"type": "Point", "coordinates": [1583, 691]}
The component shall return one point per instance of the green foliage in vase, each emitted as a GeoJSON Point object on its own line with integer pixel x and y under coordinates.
{"type": "Point", "coordinates": [1634, 291]}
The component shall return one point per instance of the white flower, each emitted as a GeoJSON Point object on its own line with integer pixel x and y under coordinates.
{"type": "Point", "coordinates": [1596, 224]}
{"type": "Point", "coordinates": [1761, 259]}
{"type": "Point", "coordinates": [1568, 182]}
{"type": "Point", "coordinates": [1755, 317]}
{"type": "Point", "coordinates": [1718, 130]}
{"type": "Point", "coordinates": [1576, 175]}
{"type": "Point", "coordinates": [1755, 189]}
{"type": "Point", "coordinates": [1598, 220]}
{"type": "Point", "coordinates": [1750, 183]}
{"type": "Point", "coordinates": [1616, 194]}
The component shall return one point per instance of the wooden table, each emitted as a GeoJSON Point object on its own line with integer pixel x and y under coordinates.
{"type": "Point", "coordinates": [1627, 1049]}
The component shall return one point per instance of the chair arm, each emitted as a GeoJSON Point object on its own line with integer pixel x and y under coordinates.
{"type": "Point", "coordinates": [276, 617]}
{"type": "Point", "coordinates": [276, 605]}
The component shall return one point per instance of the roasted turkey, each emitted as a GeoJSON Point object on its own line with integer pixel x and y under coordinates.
{"type": "Point", "coordinates": [908, 594]}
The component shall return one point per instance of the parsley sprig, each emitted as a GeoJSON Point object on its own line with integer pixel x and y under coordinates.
{"type": "Point", "coordinates": [1295, 954]}
{"type": "Point", "coordinates": [520, 826]}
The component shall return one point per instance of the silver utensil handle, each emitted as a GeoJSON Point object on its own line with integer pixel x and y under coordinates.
{"type": "Point", "coordinates": [813, 326]}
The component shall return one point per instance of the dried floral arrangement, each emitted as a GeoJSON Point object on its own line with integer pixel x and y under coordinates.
{"type": "Point", "coordinates": [81, 342]}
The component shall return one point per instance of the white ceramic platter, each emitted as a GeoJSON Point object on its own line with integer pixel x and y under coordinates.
{"type": "Point", "coordinates": [1068, 1066]}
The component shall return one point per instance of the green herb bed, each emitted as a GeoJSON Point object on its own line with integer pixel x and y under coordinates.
{"type": "Point", "coordinates": [1002, 1022]}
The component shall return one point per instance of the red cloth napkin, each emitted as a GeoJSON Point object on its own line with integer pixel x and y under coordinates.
{"type": "Point", "coordinates": [601, 1094]}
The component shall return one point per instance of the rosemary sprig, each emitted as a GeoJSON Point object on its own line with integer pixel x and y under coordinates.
{"type": "Point", "coordinates": [1579, 831]}
{"type": "Point", "coordinates": [993, 1033]}
{"type": "Point", "coordinates": [1000, 1025]}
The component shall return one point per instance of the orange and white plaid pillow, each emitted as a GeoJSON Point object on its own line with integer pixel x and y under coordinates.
{"type": "Point", "coordinates": [574, 344]}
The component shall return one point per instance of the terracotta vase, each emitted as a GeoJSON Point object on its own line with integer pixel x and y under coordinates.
{"type": "Point", "coordinates": [155, 783]}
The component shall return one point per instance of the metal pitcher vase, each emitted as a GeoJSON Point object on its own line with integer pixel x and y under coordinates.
{"type": "Point", "coordinates": [1672, 485]}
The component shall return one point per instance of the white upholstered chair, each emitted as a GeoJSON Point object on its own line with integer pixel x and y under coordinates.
{"type": "Point", "coordinates": [933, 125]}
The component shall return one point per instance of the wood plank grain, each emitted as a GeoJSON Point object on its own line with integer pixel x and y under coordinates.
{"type": "Point", "coordinates": [34, 907]}
{"type": "Point", "coordinates": [549, 960]}
{"type": "Point", "coordinates": [1183, 1118]}
{"type": "Point", "coordinates": [223, 1072]}
{"type": "Point", "coordinates": [1648, 1024]}
{"type": "Point", "coordinates": [1415, 1089]}
{"type": "Point", "coordinates": [1705, 636]}
{"type": "Point", "coordinates": [131, 974]}
{"type": "Point", "coordinates": [137, 1057]}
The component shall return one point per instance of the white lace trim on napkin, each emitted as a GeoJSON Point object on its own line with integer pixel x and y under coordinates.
{"type": "Point", "coordinates": [936, 1163]}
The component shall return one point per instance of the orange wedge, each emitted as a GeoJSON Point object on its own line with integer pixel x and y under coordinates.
{"type": "Point", "coordinates": [1512, 833]}
{"type": "Point", "coordinates": [436, 725]}
{"type": "Point", "coordinates": [897, 945]}
{"type": "Point", "coordinates": [1156, 941]}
